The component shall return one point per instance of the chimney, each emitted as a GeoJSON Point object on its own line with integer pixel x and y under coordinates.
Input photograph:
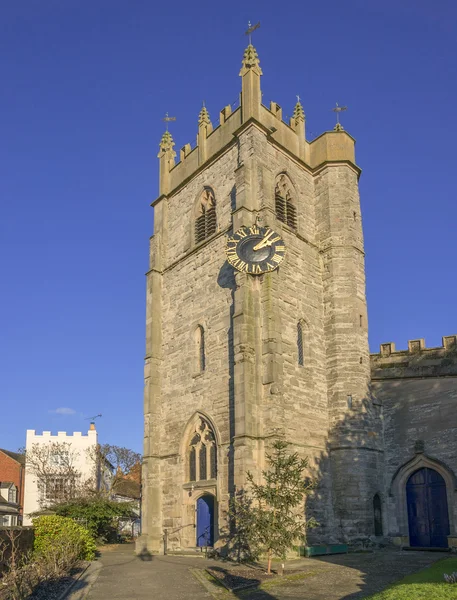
{"type": "Point", "coordinates": [92, 426]}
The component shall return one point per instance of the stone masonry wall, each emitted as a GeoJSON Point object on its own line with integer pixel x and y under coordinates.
{"type": "Point", "coordinates": [418, 392]}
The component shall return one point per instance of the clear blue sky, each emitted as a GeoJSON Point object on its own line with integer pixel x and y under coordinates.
{"type": "Point", "coordinates": [84, 86]}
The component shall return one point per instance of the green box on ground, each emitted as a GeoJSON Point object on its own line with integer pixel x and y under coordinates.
{"type": "Point", "coordinates": [321, 550]}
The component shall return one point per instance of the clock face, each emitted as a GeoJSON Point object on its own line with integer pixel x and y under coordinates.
{"type": "Point", "coordinates": [255, 250]}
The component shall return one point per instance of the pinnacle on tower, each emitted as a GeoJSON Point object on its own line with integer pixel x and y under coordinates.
{"type": "Point", "coordinates": [299, 113]}
{"type": "Point", "coordinates": [203, 117]}
{"type": "Point", "coordinates": [251, 61]}
{"type": "Point", "coordinates": [338, 127]}
{"type": "Point", "coordinates": [166, 143]}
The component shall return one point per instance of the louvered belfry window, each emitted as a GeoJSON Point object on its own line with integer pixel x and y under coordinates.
{"type": "Point", "coordinates": [286, 210]}
{"type": "Point", "coordinates": [202, 452]}
{"type": "Point", "coordinates": [206, 222]}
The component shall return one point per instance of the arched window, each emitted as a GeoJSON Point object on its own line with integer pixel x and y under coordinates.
{"type": "Point", "coordinates": [300, 344]}
{"type": "Point", "coordinates": [285, 208]}
{"type": "Point", "coordinates": [205, 222]}
{"type": "Point", "coordinates": [200, 349]}
{"type": "Point", "coordinates": [203, 446]}
{"type": "Point", "coordinates": [377, 513]}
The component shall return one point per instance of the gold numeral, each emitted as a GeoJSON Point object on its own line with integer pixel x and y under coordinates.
{"type": "Point", "coordinates": [275, 258]}
{"type": "Point", "coordinates": [254, 229]}
{"type": "Point", "coordinates": [242, 266]}
{"type": "Point", "coordinates": [272, 267]}
{"type": "Point", "coordinates": [242, 233]}
{"type": "Point", "coordinates": [256, 269]}
{"type": "Point", "coordinates": [280, 248]}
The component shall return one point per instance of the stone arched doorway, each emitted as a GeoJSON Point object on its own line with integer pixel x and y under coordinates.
{"type": "Point", "coordinates": [428, 515]}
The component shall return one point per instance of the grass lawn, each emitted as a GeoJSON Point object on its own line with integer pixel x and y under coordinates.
{"type": "Point", "coordinates": [428, 584]}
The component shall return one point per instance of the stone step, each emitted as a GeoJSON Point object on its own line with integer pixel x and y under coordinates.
{"type": "Point", "coordinates": [189, 552]}
{"type": "Point", "coordinates": [425, 549]}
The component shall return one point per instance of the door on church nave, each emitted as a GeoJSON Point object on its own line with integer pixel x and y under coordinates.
{"type": "Point", "coordinates": [428, 516]}
{"type": "Point", "coordinates": [205, 520]}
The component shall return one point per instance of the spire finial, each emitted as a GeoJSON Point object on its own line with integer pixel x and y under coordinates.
{"type": "Point", "coordinates": [203, 117]}
{"type": "Point", "coordinates": [338, 110]}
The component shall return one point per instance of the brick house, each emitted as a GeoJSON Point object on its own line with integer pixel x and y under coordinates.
{"type": "Point", "coordinates": [12, 467]}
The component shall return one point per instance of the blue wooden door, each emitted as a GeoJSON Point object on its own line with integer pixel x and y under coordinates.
{"type": "Point", "coordinates": [205, 521]}
{"type": "Point", "coordinates": [428, 516]}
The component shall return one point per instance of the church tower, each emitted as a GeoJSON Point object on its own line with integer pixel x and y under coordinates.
{"type": "Point", "coordinates": [240, 352]}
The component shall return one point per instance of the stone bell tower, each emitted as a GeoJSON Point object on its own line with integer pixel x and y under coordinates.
{"type": "Point", "coordinates": [236, 360]}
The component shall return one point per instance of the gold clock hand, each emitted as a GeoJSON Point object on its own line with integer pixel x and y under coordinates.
{"type": "Point", "coordinates": [264, 242]}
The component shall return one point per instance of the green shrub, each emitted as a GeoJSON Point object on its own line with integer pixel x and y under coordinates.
{"type": "Point", "coordinates": [54, 532]}
{"type": "Point", "coordinates": [99, 515]}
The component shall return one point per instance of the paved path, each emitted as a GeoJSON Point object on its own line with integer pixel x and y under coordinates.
{"type": "Point", "coordinates": [121, 575]}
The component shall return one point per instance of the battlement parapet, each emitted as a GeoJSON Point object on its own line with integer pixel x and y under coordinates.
{"type": "Point", "coordinates": [61, 435]}
{"type": "Point", "coordinates": [416, 361]}
{"type": "Point", "coordinates": [330, 146]}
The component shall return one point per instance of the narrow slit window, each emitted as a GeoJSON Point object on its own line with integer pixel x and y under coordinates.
{"type": "Point", "coordinates": [300, 344]}
{"type": "Point", "coordinates": [200, 349]}
{"type": "Point", "coordinates": [377, 513]}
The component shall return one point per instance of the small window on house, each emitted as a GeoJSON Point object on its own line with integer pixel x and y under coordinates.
{"type": "Point", "coordinates": [205, 223]}
{"type": "Point", "coordinates": [285, 207]}
{"type": "Point", "coordinates": [377, 513]}
{"type": "Point", "coordinates": [300, 344]}
{"type": "Point", "coordinates": [200, 349]}
{"type": "Point", "coordinates": [12, 494]}
{"type": "Point", "coordinates": [202, 453]}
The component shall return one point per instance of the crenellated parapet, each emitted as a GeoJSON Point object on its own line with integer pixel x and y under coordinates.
{"type": "Point", "coordinates": [416, 361]}
{"type": "Point", "coordinates": [331, 146]}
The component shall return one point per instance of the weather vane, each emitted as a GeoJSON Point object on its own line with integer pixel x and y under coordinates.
{"type": "Point", "coordinates": [338, 110]}
{"type": "Point", "coordinates": [93, 418]}
{"type": "Point", "coordinates": [298, 98]}
{"type": "Point", "coordinates": [167, 119]}
{"type": "Point", "coordinates": [250, 29]}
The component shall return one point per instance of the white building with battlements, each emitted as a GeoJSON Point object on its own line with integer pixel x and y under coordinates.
{"type": "Point", "coordinates": [66, 460]}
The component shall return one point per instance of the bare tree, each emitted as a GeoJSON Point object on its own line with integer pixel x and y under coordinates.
{"type": "Point", "coordinates": [120, 462]}
{"type": "Point", "coordinates": [57, 476]}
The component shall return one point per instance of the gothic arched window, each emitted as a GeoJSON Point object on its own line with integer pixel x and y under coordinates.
{"type": "Point", "coordinates": [285, 207]}
{"type": "Point", "coordinates": [377, 513]}
{"type": "Point", "coordinates": [202, 452]}
{"type": "Point", "coordinates": [205, 222]}
{"type": "Point", "coordinates": [200, 349]}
